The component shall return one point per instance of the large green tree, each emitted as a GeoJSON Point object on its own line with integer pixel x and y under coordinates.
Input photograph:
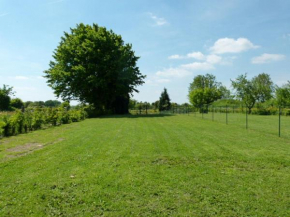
{"type": "Point", "coordinates": [5, 99]}
{"type": "Point", "coordinates": [205, 89]}
{"type": "Point", "coordinates": [164, 101]}
{"type": "Point", "coordinates": [95, 66]}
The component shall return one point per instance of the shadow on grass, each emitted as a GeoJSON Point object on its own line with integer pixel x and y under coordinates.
{"type": "Point", "coordinates": [137, 116]}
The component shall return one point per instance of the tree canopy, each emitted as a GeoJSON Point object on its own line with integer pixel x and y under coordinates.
{"type": "Point", "coordinates": [258, 89]}
{"type": "Point", "coordinates": [205, 89]}
{"type": "Point", "coordinates": [95, 66]}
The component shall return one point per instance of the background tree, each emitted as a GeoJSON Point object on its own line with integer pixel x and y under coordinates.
{"type": "Point", "coordinates": [264, 87]}
{"type": "Point", "coordinates": [17, 103]}
{"type": "Point", "coordinates": [205, 89]}
{"type": "Point", "coordinates": [5, 99]}
{"type": "Point", "coordinates": [52, 103]}
{"type": "Point", "coordinates": [283, 95]}
{"type": "Point", "coordinates": [259, 89]}
{"type": "Point", "coordinates": [164, 101]}
{"type": "Point", "coordinates": [93, 65]}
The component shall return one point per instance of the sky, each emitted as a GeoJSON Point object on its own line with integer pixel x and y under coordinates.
{"type": "Point", "coordinates": [175, 40]}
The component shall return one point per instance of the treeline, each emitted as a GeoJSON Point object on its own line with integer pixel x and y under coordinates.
{"type": "Point", "coordinates": [259, 92]}
{"type": "Point", "coordinates": [7, 103]}
{"type": "Point", "coordinates": [34, 118]}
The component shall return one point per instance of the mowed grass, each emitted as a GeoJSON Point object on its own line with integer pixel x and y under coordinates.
{"type": "Point", "coordinates": [145, 166]}
{"type": "Point", "coordinates": [268, 124]}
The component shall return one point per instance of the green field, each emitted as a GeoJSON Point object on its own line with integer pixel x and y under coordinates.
{"type": "Point", "coordinates": [145, 166]}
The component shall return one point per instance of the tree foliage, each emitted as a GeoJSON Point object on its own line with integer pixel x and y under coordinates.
{"type": "Point", "coordinates": [164, 101]}
{"type": "Point", "coordinates": [94, 65]}
{"type": "Point", "coordinates": [283, 95]}
{"type": "Point", "coordinates": [5, 99]}
{"type": "Point", "coordinates": [205, 89]}
{"type": "Point", "coordinates": [17, 103]}
{"type": "Point", "coordinates": [264, 87]}
{"type": "Point", "coordinates": [259, 89]}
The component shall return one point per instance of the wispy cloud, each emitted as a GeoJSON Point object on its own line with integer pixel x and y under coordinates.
{"type": "Point", "coordinates": [3, 14]}
{"type": "Point", "coordinates": [159, 21]}
{"type": "Point", "coordinates": [267, 58]}
{"type": "Point", "coordinates": [230, 45]}
{"type": "Point", "coordinates": [194, 55]}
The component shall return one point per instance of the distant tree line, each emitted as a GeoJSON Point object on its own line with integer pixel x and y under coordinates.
{"type": "Point", "coordinates": [7, 103]}
{"type": "Point", "coordinates": [260, 90]}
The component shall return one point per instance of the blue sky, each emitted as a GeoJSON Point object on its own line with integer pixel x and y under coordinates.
{"type": "Point", "coordinates": [176, 40]}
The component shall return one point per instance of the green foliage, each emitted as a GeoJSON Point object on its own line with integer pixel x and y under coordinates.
{"type": "Point", "coordinates": [17, 103]}
{"type": "Point", "coordinates": [164, 101]}
{"type": "Point", "coordinates": [5, 99]}
{"type": "Point", "coordinates": [259, 89]}
{"type": "Point", "coordinates": [52, 103]}
{"type": "Point", "coordinates": [95, 66]}
{"type": "Point", "coordinates": [37, 118]}
{"type": "Point", "coordinates": [283, 94]}
{"type": "Point", "coordinates": [205, 89]}
{"type": "Point", "coordinates": [264, 87]}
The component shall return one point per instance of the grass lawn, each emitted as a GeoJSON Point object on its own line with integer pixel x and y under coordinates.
{"type": "Point", "coordinates": [145, 166]}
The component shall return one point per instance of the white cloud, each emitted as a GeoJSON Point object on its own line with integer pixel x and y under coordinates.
{"type": "Point", "coordinates": [230, 45]}
{"type": "Point", "coordinates": [203, 66]}
{"type": "Point", "coordinates": [213, 59]}
{"type": "Point", "coordinates": [162, 80]}
{"type": "Point", "coordinates": [175, 57]}
{"type": "Point", "coordinates": [20, 78]}
{"type": "Point", "coordinates": [267, 58]}
{"type": "Point", "coordinates": [196, 55]}
{"type": "Point", "coordinates": [159, 21]}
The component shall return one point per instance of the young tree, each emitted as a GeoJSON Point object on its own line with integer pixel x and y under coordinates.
{"type": "Point", "coordinates": [5, 99]}
{"type": "Point", "coordinates": [95, 66]}
{"type": "Point", "coordinates": [164, 101]}
{"type": "Point", "coordinates": [259, 89]}
{"type": "Point", "coordinates": [245, 91]}
{"type": "Point", "coordinates": [205, 89]}
{"type": "Point", "coordinates": [264, 87]}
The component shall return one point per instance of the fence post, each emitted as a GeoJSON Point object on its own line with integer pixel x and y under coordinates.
{"type": "Point", "coordinates": [226, 114]}
{"type": "Point", "coordinates": [279, 121]}
{"type": "Point", "coordinates": [212, 110]}
{"type": "Point", "coordinates": [246, 118]}
{"type": "Point", "coordinates": [202, 111]}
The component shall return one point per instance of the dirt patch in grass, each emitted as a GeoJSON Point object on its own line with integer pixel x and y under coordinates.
{"type": "Point", "coordinates": [22, 150]}
{"type": "Point", "coordinates": [25, 148]}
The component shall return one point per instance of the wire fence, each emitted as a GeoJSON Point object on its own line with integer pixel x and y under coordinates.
{"type": "Point", "coordinates": [271, 120]}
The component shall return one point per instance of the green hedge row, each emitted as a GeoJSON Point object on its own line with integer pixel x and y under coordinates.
{"type": "Point", "coordinates": [37, 118]}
